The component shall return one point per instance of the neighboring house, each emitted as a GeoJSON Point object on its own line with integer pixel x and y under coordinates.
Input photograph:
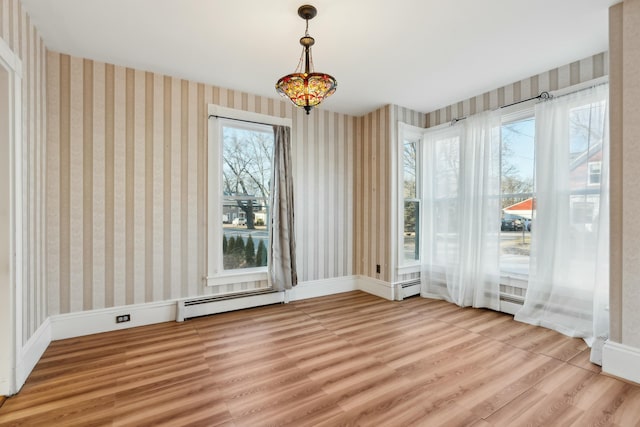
{"type": "Point", "coordinates": [586, 168]}
{"type": "Point", "coordinates": [524, 208]}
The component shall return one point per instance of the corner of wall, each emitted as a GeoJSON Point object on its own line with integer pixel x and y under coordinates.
{"type": "Point", "coordinates": [621, 361]}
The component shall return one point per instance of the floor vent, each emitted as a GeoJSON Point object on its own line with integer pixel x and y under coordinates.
{"type": "Point", "coordinates": [407, 289]}
{"type": "Point", "coordinates": [204, 306]}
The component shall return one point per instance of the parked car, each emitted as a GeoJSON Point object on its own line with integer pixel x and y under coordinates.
{"type": "Point", "coordinates": [511, 223]}
{"type": "Point", "coordinates": [239, 221]}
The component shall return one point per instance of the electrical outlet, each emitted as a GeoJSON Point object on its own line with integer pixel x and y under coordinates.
{"type": "Point", "coordinates": [378, 268]}
{"type": "Point", "coordinates": [123, 318]}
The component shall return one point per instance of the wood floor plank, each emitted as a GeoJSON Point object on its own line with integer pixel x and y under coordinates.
{"type": "Point", "coordinates": [347, 359]}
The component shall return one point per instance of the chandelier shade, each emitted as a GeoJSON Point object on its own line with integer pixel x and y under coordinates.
{"type": "Point", "coordinates": [306, 89]}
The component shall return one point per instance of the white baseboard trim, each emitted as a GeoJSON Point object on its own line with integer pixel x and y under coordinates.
{"type": "Point", "coordinates": [621, 361]}
{"type": "Point", "coordinates": [81, 323]}
{"type": "Point", "coordinates": [5, 385]}
{"type": "Point", "coordinates": [32, 352]}
{"type": "Point", "coordinates": [376, 287]}
{"type": "Point", "coordinates": [324, 287]}
{"type": "Point", "coordinates": [104, 320]}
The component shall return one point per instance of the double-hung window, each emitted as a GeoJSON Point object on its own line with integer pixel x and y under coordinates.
{"type": "Point", "coordinates": [239, 186]}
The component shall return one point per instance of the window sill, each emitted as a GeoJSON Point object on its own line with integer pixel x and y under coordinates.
{"type": "Point", "coordinates": [252, 275]}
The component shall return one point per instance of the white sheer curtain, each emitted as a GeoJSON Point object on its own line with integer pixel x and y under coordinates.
{"type": "Point", "coordinates": [461, 212]}
{"type": "Point", "coordinates": [569, 264]}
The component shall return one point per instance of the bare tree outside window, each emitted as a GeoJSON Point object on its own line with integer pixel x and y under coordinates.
{"type": "Point", "coordinates": [411, 236]}
{"type": "Point", "coordinates": [246, 176]}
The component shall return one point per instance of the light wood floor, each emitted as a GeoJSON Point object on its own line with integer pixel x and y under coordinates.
{"type": "Point", "coordinates": [348, 359]}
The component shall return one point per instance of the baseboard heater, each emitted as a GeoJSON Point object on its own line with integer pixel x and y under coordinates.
{"type": "Point", "coordinates": [204, 306]}
{"type": "Point", "coordinates": [407, 289]}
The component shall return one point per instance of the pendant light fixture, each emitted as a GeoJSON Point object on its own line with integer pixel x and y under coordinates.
{"type": "Point", "coordinates": [306, 88]}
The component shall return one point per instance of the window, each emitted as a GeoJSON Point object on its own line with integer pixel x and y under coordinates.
{"type": "Point", "coordinates": [240, 159]}
{"type": "Point", "coordinates": [411, 215]}
{"type": "Point", "coordinates": [517, 200]}
{"type": "Point", "coordinates": [594, 171]}
{"type": "Point", "coordinates": [246, 173]}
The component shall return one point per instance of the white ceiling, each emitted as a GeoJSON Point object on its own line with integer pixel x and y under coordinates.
{"type": "Point", "coordinates": [421, 54]}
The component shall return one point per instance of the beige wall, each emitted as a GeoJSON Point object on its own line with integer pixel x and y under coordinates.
{"type": "Point", "coordinates": [22, 37]}
{"type": "Point", "coordinates": [374, 189]}
{"type": "Point", "coordinates": [558, 78]}
{"type": "Point", "coordinates": [127, 185]}
{"type": "Point", "coordinates": [624, 39]}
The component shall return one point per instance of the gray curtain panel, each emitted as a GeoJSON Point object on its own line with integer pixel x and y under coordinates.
{"type": "Point", "coordinates": [282, 241]}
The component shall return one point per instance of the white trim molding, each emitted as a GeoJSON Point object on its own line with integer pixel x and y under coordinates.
{"type": "Point", "coordinates": [81, 323]}
{"type": "Point", "coordinates": [12, 230]}
{"type": "Point", "coordinates": [621, 361]}
{"type": "Point", "coordinates": [376, 287]}
{"type": "Point", "coordinates": [33, 351]}
{"type": "Point", "coordinates": [324, 287]}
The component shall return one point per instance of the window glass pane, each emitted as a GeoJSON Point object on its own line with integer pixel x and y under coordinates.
{"type": "Point", "coordinates": [411, 230]}
{"type": "Point", "coordinates": [517, 202]}
{"type": "Point", "coordinates": [586, 132]}
{"type": "Point", "coordinates": [445, 200]}
{"type": "Point", "coordinates": [447, 152]}
{"type": "Point", "coordinates": [246, 175]}
{"type": "Point", "coordinates": [409, 162]}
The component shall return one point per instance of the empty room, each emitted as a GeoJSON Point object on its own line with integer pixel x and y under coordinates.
{"type": "Point", "coordinates": [367, 213]}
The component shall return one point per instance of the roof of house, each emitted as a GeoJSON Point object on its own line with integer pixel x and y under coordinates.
{"type": "Point", "coordinates": [525, 205]}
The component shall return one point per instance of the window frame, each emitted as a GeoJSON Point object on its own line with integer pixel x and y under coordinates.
{"type": "Point", "coordinates": [414, 134]}
{"type": "Point", "coordinates": [219, 116]}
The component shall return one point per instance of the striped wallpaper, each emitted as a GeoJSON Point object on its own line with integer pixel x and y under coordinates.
{"type": "Point", "coordinates": [568, 75]}
{"type": "Point", "coordinates": [22, 37]}
{"type": "Point", "coordinates": [374, 217]}
{"type": "Point", "coordinates": [127, 185]}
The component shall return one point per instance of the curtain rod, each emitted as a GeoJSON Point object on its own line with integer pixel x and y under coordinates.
{"type": "Point", "coordinates": [240, 120]}
{"type": "Point", "coordinates": [546, 95]}
{"type": "Point", "coordinates": [543, 95]}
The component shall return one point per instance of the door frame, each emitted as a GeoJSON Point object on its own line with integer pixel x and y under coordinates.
{"type": "Point", "coordinates": [11, 231]}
